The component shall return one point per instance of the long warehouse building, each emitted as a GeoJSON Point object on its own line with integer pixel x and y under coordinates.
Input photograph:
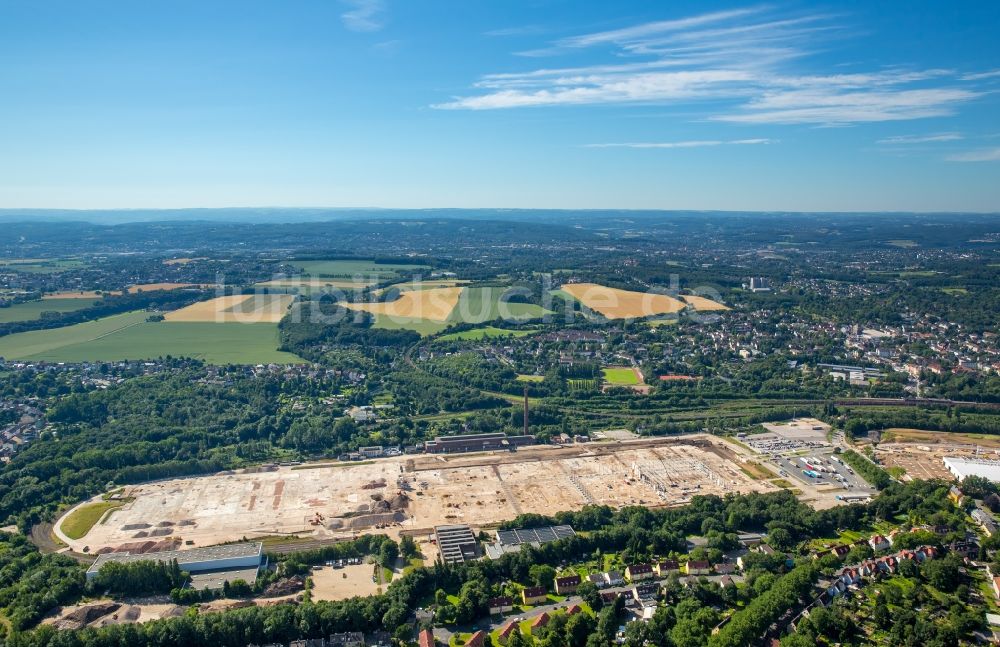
{"type": "Point", "coordinates": [208, 566]}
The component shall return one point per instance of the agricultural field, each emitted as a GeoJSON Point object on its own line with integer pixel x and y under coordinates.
{"type": "Point", "coordinates": [480, 305]}
{"type": "Point", "coordinates": [435, 304]}
{"type": "Point", "coordinates": [422, 285]}
{"type": "Point", "coordinates": [350, 268]}
{"type": "Point", "coordinates": [486, 332]}
{"type": "Point", "coordinates": [31, 310]}
{"type": "Point", "coordinates": [131, 336]}
{"type": "Point", "coordinates": [42, 265]}
{"type": "Point", "coordinates": [408, 493]}
{"type": "Point", "coordinates": [701, 304]}
{"type": "Point", "coordinates": [81, 294]}
{"type": "Point", "coordinates": [150, 287]}
{"type": "Point", "coordinates": [240, 308]}
{"type": "Point", "coordinates": [309, 285]}
{"type": "Point", "coordinates": [183, 261]}
{"type": "Point", "coordinates": [613, 303]}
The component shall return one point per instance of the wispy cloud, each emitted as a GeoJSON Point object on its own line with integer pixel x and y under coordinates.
{"type": "Point", "coordinates": [981, 155]}
{"type": "Point", "coordinates": [920, 139]}
{"type": "Point", "coordinates": [744, 65]}
{"type": "Point", "coordinates": [697, 143]}
{"type": "Point", "coordinates": [978, 76]}
{"type": "Point", "coordinates": [364, 15]}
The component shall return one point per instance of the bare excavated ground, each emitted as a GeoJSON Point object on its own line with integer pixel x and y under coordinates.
{"type": "Point", "coordinates": [414, 493]}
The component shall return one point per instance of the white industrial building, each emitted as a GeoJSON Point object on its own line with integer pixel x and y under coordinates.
{"type": "Point", "coordinates": [962, 467]}
{"type": "Point", "coordinates": [209, 567]}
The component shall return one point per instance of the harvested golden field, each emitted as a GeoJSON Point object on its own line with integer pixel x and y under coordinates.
{"type": "Point", "coordinates": [81, 294]}
{"type": "Point", "coordinates": [432, 305]}
{"type": "Point", "coordinates": [622, 304]}
{"type": "Point", "coordinates": [422, 285]}
{"type": "Point", "coordinates": [239, 308]}
{"type": "Point", "coordinates": [149, 287]}
{"type": "Point", "coordinates": [702, 304]}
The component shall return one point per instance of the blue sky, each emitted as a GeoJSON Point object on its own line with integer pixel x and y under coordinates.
{"type": "Point", "coordinates": [544, 103]}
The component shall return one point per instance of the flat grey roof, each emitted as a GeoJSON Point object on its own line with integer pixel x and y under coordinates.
{"type": "Point", "coordinates": [519, 536]}
{"type": "Point", "coordinates": [193, 555]}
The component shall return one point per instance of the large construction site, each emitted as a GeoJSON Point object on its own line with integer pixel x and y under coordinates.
{"type": "Point", "coordinates": [415, 493]}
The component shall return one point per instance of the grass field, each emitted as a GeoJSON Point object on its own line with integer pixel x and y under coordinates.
{"type": "Point", "coordinates": [487, 332]}
{"type": "Point", "coordinates": [613, 303]}
{"type": "Point", "coordinates": [530, 378]}
{"type": "Point", "coordinates": [77, 524]}
{"type": "Point", "coordinates": [130, 336]}
{"type": "Point", "coordinates": [31, 310]}
{"type": "Point", "coordinates": [151, 287]}
{"type": "Point", "coordinates": [479, 305]}
{"type": "Point", "coordinates": [316, 285]}
{"type": "Point", "coordinates": [348, 268]}
{"type": "Point", "coordinates": [424, 327]}
{"type": "Point", "coordinates": [81, 294]}
{"type": "Point", "coordinates": [620, 376]}
{"type": "Point", "coordinates": [42, 265]}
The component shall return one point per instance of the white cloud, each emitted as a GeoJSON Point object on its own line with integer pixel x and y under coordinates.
{"type": "Point", "coordinates": [364, 15]}
{"type": "Point", "coordinates": [738, 64]}
{"type": "Point", "coordinates": [978, 76]}
{"type": "Point", "coordinates": [981, 155]}
{"type": "Point", "coordinates": [686, 144]}
{"type": "Point", "coordinates": [921, 139]}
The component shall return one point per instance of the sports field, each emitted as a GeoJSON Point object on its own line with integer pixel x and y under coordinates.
{"type": "Point", "coordinates": [350, 268]}
{"type": "Point", "coordinates": [239, 308]}
{"type": "Point", "coordinates": [621, 304]}
{"type": "Point", "coordinates": [31, 310]}
{"type": "Point", "coordinates": [621, 376]}
{"type": "Point", "coordinates": [701, 304]}
{"type": "Point", "coordinates": [130, 336]}
{"type": "Point", "coordinates": [486, 332]}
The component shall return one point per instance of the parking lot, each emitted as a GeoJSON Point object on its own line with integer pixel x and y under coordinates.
{"type": "Point", "coordinates": [800, 451]}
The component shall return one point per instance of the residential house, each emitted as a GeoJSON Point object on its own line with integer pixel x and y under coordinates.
{"type": "Point", "coordinates": [698, 567]}
{"type": "Point", "coordinates": [508, 629]}
{"type": "Point", "coordinates": [666, 567]}
{"type": "Point", "coordinates": [347, 639]}
{"type": "Point", "coordinates": [567, 585]}
{"type": "Point", "coordinates": [725, 582]}
{"type": "Point", "coordinates": [426, 638]}
{"type": "Point", "coordinates": [532, 595]}
{"type": "Point", "coordinates": [645, 591]}
{"type": "Point", "coordinates": [879, 543]}
{"type": "Point", "coordinates": [501, 605]}
{"type": "Point", "coordinates": [726, 568]}
{"type": "Point", "coordinates": [540, 621]}
{"type": "Point", "coordinates": [477, 639]}
{"type": "Point", "coordinates": [597, 579]}
{"type": "Point", "coordinates": [614, 578]}
{"type": "Point", "coordinates": [573, 609]}
{"type": "Point", "coordinates": [639, 572]}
